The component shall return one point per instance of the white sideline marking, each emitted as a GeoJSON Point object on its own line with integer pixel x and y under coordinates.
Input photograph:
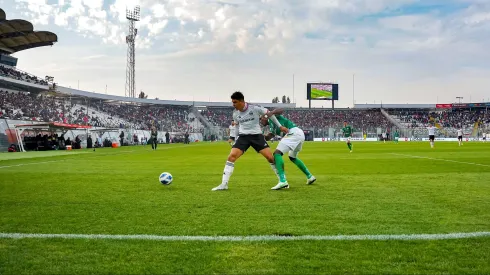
{"type": "Point", "coordinates": [22, 164]}
{"type": "Point", "coordinates": [447, 160]}
{"type": "Point", "coordinates": [264, 238]}
{"type": "Point", "coordinates": [98, 155]}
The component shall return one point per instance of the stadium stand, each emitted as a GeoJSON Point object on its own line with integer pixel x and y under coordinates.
{"type": "Point", "coordinates": [22, 76]}
{"type": "Point", "coordinates": [31, 99]}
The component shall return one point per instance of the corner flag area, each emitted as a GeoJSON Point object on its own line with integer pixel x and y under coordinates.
{"type": "Point", "coordinates": [385, 208]}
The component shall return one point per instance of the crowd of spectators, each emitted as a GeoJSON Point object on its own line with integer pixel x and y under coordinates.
{"type": "Point", "coordinates": [167, 117]}
{"type": "Point", "coordinates": [24, 106]}
{"type": "Point", "coordinates": [47, 108]}
{"type": "Point", "coordinates": [362, 120]}
{"type": "Point", "coordinates": [456, 118]}
{"type": "Point", "coordinates": [18, 75]}
{"type": "Point", "coordinates": [218, 116]}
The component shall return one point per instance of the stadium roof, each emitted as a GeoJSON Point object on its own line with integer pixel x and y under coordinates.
{"type": "Point", "coordinates": [111, 98]}
{"type": "Point", "coordinates": [18, 35]}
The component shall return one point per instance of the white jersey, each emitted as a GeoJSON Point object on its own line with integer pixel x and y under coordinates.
{"type": "Point", "coordinates": [249, 119]}
{"type": "Point", "coordinates": [232, 131]}
{"type": "Point", "coordinates": [432, 130]}
{"type": "Point", "coordinates": [460, 133]}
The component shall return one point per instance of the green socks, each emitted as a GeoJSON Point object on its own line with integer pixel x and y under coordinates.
{"type": "Point", "coordinates": [280, 167]}
{"type": "Point", "coordinates": [349, 145]}
{"type": "Point", "coordinates": [302, 167]}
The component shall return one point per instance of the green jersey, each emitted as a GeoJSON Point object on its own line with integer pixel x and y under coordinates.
{"type": "Point", "coordinates": [154, 133]}
{"type": "Point", "coordinates": [284, 122]}
{"type": "Point", "coordinates": [347, 130]}
{"type": "Point", "coordinates": [397, 135]}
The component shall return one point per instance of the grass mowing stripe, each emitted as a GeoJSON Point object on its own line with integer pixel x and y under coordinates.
{"type": "Point", "coordinates": [98, 155]}
{"type": "Point", "coordinates": [263, 238]}
{"type": "Point", "coordinates": [51, 161]}
{"type": "Point", "coordinates": [447, 160]}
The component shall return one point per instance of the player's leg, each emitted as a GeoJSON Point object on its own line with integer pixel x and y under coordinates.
{"type": "Point", "coordinates": [156, 142]}
{"type": "Point", "coordinates": [293, 157]}
{"type": "Point", "coordinates": [279, 167]}
{"type": "Point", "coordinates": [265, 151]}
{"type": "Point", "coordinates": [261, 146]}
{"type": "Point", "coordinates": [239, 148]}
{"type": "Point", "coordinates": [279, 161]}
{"type": "Point", "coordinates": [292, 142]}
{"type": "Point", "coordinates": [349, 144]}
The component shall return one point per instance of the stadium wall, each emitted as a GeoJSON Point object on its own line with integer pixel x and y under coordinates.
{"type": "Point", "coordinates": [406, 139]}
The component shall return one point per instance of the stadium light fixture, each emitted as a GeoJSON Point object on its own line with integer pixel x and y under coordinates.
{"type": "Point", "coordinates": [133, 15]}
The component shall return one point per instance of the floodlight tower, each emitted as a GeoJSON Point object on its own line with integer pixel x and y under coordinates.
{"type": "Point", "coordinates": [132, 16]}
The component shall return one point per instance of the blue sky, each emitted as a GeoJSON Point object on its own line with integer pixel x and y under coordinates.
{"type": "Point", "coordinates": [401, 51]}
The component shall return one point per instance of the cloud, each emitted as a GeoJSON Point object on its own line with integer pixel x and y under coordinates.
{"type": "Point", "coordinates": [389, 44]}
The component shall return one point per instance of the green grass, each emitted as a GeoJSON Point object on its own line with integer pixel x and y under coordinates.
{"type": "Point", "coordinates": [370, 191]}
{"type": "Point", "coordinates": [315, 93]}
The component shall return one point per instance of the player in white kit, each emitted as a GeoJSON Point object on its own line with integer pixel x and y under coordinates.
{"type": "Point", "coordinates": [248, 134]}
{"type": "Point", "coordinates": [460, 136]}
{"type": "Point", "coordinates": [232, 134]}
{"type": "Point", "coordinates": [432, 135]}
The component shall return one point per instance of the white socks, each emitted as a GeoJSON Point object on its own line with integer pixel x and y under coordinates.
{"type": "Point", "coordinates": [227, 172]}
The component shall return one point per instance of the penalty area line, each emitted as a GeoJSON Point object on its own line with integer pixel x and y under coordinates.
{"type": "Point", "coordinates": [446, 160]}
{"type": "Point", "coordinates": [259, 238]}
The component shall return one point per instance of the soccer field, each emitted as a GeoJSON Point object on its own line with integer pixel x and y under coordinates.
{"type": "Point", "coordinates": [358, 217]}
{"type": "Point", "coordinates": [315, 93]}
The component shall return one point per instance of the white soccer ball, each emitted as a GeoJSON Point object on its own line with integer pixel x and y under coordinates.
{"type": "Point", "coordinates": [166, 178]}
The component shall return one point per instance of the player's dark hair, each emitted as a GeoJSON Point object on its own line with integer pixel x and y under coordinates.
{"type": "Point", "coordinates": [238, 96]}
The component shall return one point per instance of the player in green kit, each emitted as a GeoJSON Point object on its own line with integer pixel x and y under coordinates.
{"type": "Point", "coordinates": [153, 137]}
{"type": "Point", "coordinates": [347, 130]}
{"type": "Point", "coordinates": [291, 143]}
{"type": "Point", "coordinates": [397, 136]}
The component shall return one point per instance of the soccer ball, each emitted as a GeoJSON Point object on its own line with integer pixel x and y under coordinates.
{"type": "Point", "coordinates": [166, 178]}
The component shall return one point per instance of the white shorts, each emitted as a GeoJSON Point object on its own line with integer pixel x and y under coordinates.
{"type": "Point", "coordinates": [347, 139]}
{"type": "Point", "coordinates": [292, 142]}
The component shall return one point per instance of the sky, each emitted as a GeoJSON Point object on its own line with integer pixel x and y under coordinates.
{"type": "Point", "coordinates": [390, 51]}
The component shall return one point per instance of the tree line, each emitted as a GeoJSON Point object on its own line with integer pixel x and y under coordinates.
{"type": "Point", "coordinates": [284, 99]}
